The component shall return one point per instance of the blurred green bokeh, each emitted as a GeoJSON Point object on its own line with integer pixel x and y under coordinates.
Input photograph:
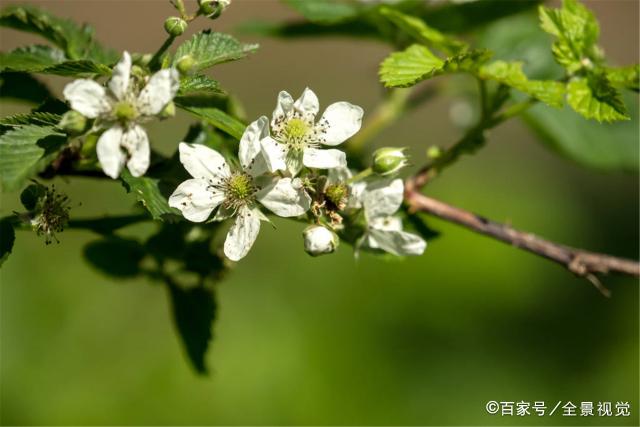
{"type": "Point", "coordinates": [335, 341]}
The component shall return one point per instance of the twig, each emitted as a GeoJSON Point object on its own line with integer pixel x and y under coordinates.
{"type": "Point", "coordinates": [580, 262]}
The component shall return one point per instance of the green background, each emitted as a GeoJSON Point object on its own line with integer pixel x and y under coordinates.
{"type": "Point", "coordinates": [333, 340]}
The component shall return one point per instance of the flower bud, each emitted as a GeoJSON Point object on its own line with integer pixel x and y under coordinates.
{"type": "Point", "coordinates": [319, 240]}
{"type": "Point", "coordinates": [185, 64]}
{"type": "Point", "coordinates": [213, 8]}
{"type": "Point", "coordinates": [175, 26]}
{"type": "Point", "coordinates": [168, 111]}
{"type": "Point", "coordinates": [389, 160]}
{"type": "Point", "coordinates": [73, 123]}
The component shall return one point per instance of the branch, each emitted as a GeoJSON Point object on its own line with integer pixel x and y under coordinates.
{"type": "Point", "coordinates": [580, 262]}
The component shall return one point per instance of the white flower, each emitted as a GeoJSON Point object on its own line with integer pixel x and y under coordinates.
{"type": "Point", "coordinates": [122, 107]}
{"type": "Point", "coordinates": [380, 200]}
{"type": "Point", "coordinates": [319, 240]}
{"type": "Point", "coordinates": [236, 192]}
{"type": "Point", "coordinates": [296, 138]}
{"type": "Point", "coordinates": [339, 176]}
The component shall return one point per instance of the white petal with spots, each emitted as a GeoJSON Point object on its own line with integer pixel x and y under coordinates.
{"type": "Point", "coordinates": [87, 97]}
{"type": "Point", "coordinates": [285, 197]}
{"type": "Point", "coordinates": [203, 162]}
{"type": "Point", "coordinates": [195, 199]}
{"type": "Point", "coordinates": [343, 120]}
{"type": "Point", "coordinates": [324, 159]}
{"type": "Point", "coordinates": [158, 92]}
{"type": "Point", "coordinates": [110, 153]}
{"type": "Point", "coordinates": [242, 234]}
{"type": "Point", "coordinates": [119, 82]}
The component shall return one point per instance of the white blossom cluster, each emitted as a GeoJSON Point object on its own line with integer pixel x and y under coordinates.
{"type": "Point", "coordinates": [287, 165]}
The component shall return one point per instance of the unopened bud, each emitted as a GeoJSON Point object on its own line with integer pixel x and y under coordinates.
{"type": "Point", "coordinates": [389, 160]}
{"type": "Point", "coordinates": [434, 152]}
{"type": "Point", "coordinates": [185, 64]}
{"type": "Point", "coordinates": [73, 123]}
{"type": "Point", "coordinates": [168, 111]}
{"type": "Point", "coordinates": [319, 240]}
{"type": "Point", "coordinates": [213, 8]}
{"type": "Point", "coordinates": [175, 26]}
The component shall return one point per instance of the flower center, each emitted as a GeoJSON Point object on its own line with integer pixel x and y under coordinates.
{"type": "Point", "coordinates": [238, 190]}
{"type": "Point", "coordinates": [296, 128]}
{"type": "Point", "coordinates": [125, 111]}
{"type": "Point", "coordinates": [337, 195]}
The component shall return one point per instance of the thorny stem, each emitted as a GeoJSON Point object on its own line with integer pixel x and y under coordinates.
{"type": "Point", "coordinates": [580, 262]}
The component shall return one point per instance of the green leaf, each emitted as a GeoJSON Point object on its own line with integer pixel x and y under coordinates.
{"type": "Point", "coordinates": [325, 11]}
{"type": "Point", "coordinates": [115, 256]}
{"type": "Point", "coordinates": [31, 58]}
{"type": "Point", "coordinates": [76, 41]}
{"type": "Point", "coordinates": [23, 87]}
{"type": "Point", "coordinates": [7, 238]}
{"type": "Point", "coordinates": [217, 118]}
{"type": "Point", "coordinates": [577, 32]}
{"type": "Point", "coordinates": [605, 146]}
{"type": "Point", "coordinates": [199, 84]}
{"type": "Point", "coordinates": [194, 311]}
{"type": "Point", "coordinates": [79, 68]}
{"type": "Point", "coordinates": [36, 118]}
{"type": "Point", "coordinates": [421, 32]}
{"type": "Point", "coordinates": [594, 98]}
{"type": "Point", "coordinates": [625, 77]}
{"type": "Point", "coordinates": [417, 63]}
{"type": "Point", "coordinates": [511, 74]}
{"type": "Point", "coordinates": [25, 151]}
{"type": "Point", "coordinates": [48, 60]}
{"type": "Point", "coordinates": [208, 49]}
{"type": "Point", "coordinates": [147, 191]}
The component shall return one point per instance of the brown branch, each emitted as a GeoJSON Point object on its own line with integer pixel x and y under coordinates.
{"type": "Point", "coordinates": [580, 262]}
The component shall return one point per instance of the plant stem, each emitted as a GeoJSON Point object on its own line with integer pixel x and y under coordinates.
{"type": "Point", "coordinates": [154, 64]}
{"type": "Point", "coordinates": [580, 262]}
{"type": "Point", "coordinates": [360, 176]}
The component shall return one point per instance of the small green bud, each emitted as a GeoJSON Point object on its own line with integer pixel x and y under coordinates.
{"type": "Point", "coordinates": [212, 9]}
{"type": "Point", "coordinates": [185, 64]}
{"type": "Point", "coordinates": [168, 111]}
{"type": "Point", "coordinates": [175, 26]}
{"type": "Point", "coordinates": [319, 240]}
{"type": "Point", "coordinates": [434, 152]}
{"type": "Point", "coordinates": [389, 160]}
{"type": "Point", "coordinates": [138, 72]}
{"type": "Point", "coordinates": [73, 123]}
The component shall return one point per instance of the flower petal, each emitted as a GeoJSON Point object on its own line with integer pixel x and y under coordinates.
{"type": "Point", "coordinates": [119, 82]}
{"type": "Point", "coordinates": [382, 198]}
{"type": "Point", "coordinates": [324, 159]}
{"type": "Point", "coordinates": [285, 197]}
{"type": "Point", "coordinates": [203, 162]}
{"type": "Point", "coordinates": [195, 200]}
{"type": "Point", "coordinates": [284, 106]}
{"type": "Point", "coordinates": [242, 234]}
{"type": "Point", "coordinates": [87, 97]}
{"type": "Point", "coordinates": [341, 121]}
{"type": "Point", "coordinates": [110, 153]}
{"type": "Point", "coordinates": [307, 105]}
{"type": "Point", "coordinates": [396, 242]}
{"type": "Point", "coordinates": [136, 142]}
{"type": "Point", "coordinates": [274, 154]}
{"type": "Point", "coordinates": [158, 92]}
{"type": "Point", "coordinates": [389, 223]}
{"type": "Point", "coordinates": [250, 151]}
